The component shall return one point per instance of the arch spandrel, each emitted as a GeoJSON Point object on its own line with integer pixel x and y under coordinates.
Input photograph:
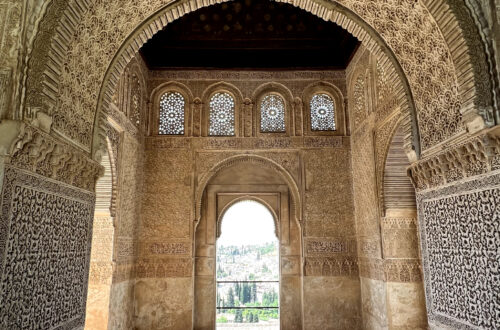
{"type": "Point", "coordinates": [205, 179]}
{"type": "Point", "coordinates": [88, 63]}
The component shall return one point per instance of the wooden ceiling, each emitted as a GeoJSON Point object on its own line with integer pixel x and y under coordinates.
{"type": "Point", "coordinates": [250, 34]}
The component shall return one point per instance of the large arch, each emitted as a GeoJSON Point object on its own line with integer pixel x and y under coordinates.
{"type": "Point", "coordinates": [248, 177]}
{"type": "Point", "coordinates": [50, 79]}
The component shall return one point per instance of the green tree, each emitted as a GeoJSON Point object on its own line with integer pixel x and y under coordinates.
{"type": "Point", "coordinates": [250, 317]}
{"type": "Point", "coordinates": [238, 318]}
{"type": "Point", "coordinates": [254, 292]}
{"type": "Point", "coordinates": [230, 298]}
{"type": "Point", "coordinates": [256, 318]}
{"type": "Point", "coordinates": [247, 293]}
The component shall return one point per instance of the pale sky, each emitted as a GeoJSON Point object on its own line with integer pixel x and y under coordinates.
{"type": "Point", "coordinates": [247, 222]}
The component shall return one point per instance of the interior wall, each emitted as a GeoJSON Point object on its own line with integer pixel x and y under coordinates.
{"type": "Point", "coordinates": [38, 161]}
{"type": "Point", "coordinates": [101, 257]}
{"type": "Point", "coordinates": [125, 131]}
{"type": "Point", "coordinates": [391, 281]}
{"type": "Point", "coordinates": [176, 166]}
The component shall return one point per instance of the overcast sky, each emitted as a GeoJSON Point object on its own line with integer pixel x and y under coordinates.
{"type": "Point", "coordinates": [247, 222]}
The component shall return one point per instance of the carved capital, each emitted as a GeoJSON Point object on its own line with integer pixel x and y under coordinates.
{"type": "Point", "coordinates": [40, 153]}
{"type": "Point", "coordinates": [475, 156]}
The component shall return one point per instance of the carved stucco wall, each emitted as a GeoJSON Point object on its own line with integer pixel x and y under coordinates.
{"type": "Point", "coordinates": [46, 231]}
{"type": "Point", "coordinates": [443, 87]}
{"type": "Point", "coordinates": [125, 133]}
{"type": "Point", "coordinates": [175, 167]}
{"type": "Point", "coordinates": [53, 82]}
{"type": "Point", "coordinates": [461, 255]}
{"type": "Point", "coordinates": [458, 222]}
{"type": "Point", "coordinates": [388, 258]}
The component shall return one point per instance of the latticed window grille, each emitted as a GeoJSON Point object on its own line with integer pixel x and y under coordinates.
{"type": "Point", "coordinates": [322, 113]}
{"type": "Point", "coordinates": [172, 113]}
{"type": "Point", "coordinates": [272, 114]}
{"type": "Point", "coordinates": [221, 115]}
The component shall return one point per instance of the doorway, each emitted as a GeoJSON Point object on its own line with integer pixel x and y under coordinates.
{"type": "Point", "coordinates": [247, 268]}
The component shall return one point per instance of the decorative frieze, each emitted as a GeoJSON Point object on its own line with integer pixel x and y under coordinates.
{"type": "Point", "coordinates": [325, 246]}
{"type": "Point", "coordinates": [166, 248]}
{"type": "Point", "coordinates": [475, 156]}
{"type": "Point", "coordinates": [400, 237]}
{"type": "Point", "coordinates": [40, 153]}
{"type": "Point", "coordinates": [391, 270]}
{"type": "Point", "coordinates": [162, 268]}
{"type": "Point", "coordinates": [331, 266]}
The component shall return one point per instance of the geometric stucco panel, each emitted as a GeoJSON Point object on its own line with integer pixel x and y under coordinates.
{"type": "Point", "coordinates": [460, 237]}
{"type": "Point", "coordinates": [45, 235]}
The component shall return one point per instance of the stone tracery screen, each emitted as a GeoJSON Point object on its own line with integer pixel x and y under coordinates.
{"type": "Point", "coordinates": [272, 114]}
{"type": "Point", "coordinates": [172, 105]}
{"type": "Point", "coordinates": [322, 113]}
{"type": "Point", "coordinates": [222, 115]}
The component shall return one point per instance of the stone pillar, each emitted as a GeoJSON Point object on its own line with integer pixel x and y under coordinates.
{"type": "Point", "coordinates": [402, 273]}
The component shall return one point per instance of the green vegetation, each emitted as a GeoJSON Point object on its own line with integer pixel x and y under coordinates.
{"type": "Point", "coordinates": [222, 319]}
{"type": "Point", "coordinates": [247, 264]}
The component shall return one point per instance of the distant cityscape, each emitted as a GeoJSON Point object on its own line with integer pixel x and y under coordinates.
{"type": "Point", "coordinates": [244, 267]}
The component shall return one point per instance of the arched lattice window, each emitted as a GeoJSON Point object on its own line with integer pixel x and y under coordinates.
{"type": "Point", "coordinates": [221, 115]}
{"type": "Point", "coordinates": [322, 113]}
{"type": "Point", "coordinates": [172, 113]}
{"type": "Point", "coordinates": [272, 114]}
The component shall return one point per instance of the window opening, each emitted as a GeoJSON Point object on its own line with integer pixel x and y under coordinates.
{"type": "Point", "coordinates": [322, 113]}
{"type": "Point", "coordinates": [247, 273]}
{"type": "Point", "coordinates": [272, 114]}
{"type": "Point", "coordinates": [221, 115]}
{"type": "Point", "coordinates": [172, 114]}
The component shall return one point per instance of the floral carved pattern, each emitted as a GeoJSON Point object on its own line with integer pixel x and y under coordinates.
{"type": "Point", "coordinates": [406, 26]}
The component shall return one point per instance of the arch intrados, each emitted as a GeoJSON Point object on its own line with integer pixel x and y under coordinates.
{"type": "Point", "coordinates": [256, 199]}
{"type": "Point", "coordinates": [325, 88]}
{"type": "Point", "coordinates": [333, 12]}
{"type": "Point", "coordinates": [272, 88]}
{"type": "Point", "coordinates": [222, 87]}
{"type": "Point", "coordinates": [254, 159]}
{"type": "Point", "coordinates": [169, 86]}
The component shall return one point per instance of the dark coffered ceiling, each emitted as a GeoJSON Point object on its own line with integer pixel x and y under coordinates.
{"type": "Point", "coordinates": [250, 34]}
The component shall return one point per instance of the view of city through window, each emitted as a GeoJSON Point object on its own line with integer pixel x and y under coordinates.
{"type": "Point", "coordinates": [248, 269]}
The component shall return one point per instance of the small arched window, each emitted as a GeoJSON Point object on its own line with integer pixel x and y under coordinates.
{"type": "Point", "coordinates": [172, 106]}
{"type": "Point", "coordinates": [272, 114]}
{"type": "Point", "coordinates": [322, 113]}
{"type": "Point", "coordinates": [221, 115]}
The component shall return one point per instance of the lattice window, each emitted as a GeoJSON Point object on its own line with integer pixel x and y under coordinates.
{"type": "Point", "coordinates": [322, 113]}
{"type": "Point", "coordinates": [272, 114]}
{"type": "Point", "coordinates": [172, 113]}
{"type": "Point", "coordinates": [221, 115]}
